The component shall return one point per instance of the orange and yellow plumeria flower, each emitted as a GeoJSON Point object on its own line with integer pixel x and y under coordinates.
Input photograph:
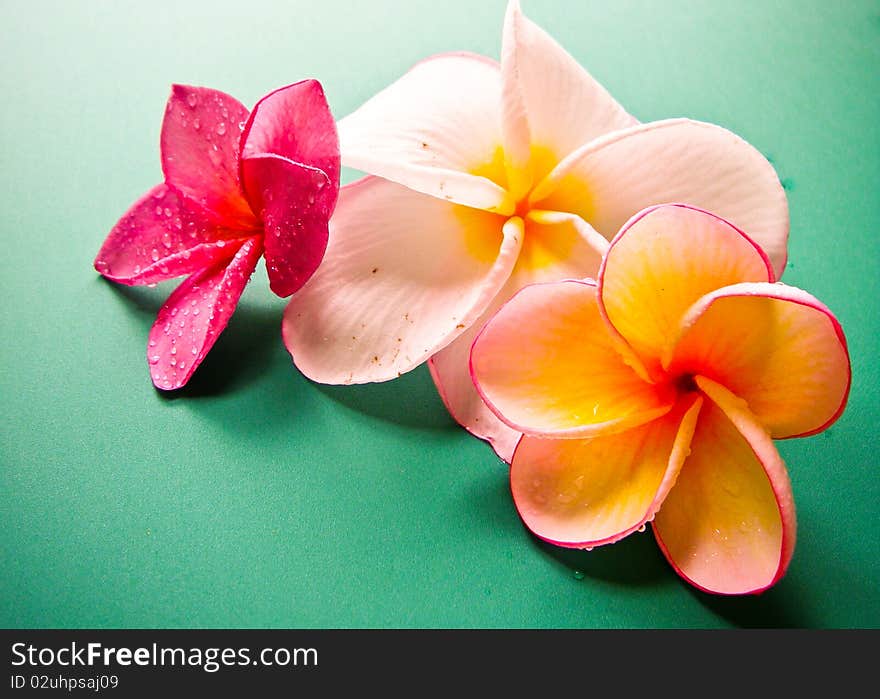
{"type": "Point", "coordinates": [655, 393]}
{"type": "Point", "coordinates": [485, 177]}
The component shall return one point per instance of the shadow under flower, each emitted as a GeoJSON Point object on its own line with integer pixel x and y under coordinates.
{"type": "Point", "coordinates": [771, 609]}
{"type": "Point", "coordinates": [242, 353]}
{"type": "Point", "coordinates": [633, 561]}
{"type": "Point", "coordinates": [410, 400]}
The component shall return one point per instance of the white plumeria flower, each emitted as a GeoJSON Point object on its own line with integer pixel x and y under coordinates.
{"type": "Point", "coordinates": [487, 177]}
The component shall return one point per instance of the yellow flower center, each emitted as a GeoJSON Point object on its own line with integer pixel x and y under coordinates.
{"type": "Point", "coordinates": [543, 244]}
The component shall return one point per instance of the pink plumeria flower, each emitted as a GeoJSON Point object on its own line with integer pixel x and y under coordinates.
{"type": "Point", "coordinates": [655, 394]}
{"type": "Point", "coordinates": [237, 186]}
{"type": "Point", "coordinates": [486, 178]}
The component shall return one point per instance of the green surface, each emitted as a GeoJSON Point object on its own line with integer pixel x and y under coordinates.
{"type": "Point", "coordinates": [255, 498]}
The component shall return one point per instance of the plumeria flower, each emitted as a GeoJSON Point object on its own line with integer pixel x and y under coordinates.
{"type": "Point", "coordinates": [485, 178]}
{"type": "Point", "coordinates": [655, 394]}
{"type": "Point", "coordinates": [237, 186]}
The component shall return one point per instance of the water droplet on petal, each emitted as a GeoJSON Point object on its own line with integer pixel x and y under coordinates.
{"type": "Point", "coordinates": [192, 99]}
{"type": "Point", "coordinates": [154, 359]}
{"type": "Point", "coordinates": [221, 128]}
{"type": "Point", "coordinates": [155, 255]}
{"type": "Point", "coordinates": [197, 124]}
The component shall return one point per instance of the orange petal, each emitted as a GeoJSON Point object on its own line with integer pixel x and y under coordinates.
{"type": "Point", "coordinates": [546, 365]}
{"type": "Point", "coordinates": [586, 492]}
{"type": "Point", "coordinates": [775, 346]}
{"type": "Point", "coordinates": [664, 260]}
{"type": "Point", "coordinates": [728, 525]}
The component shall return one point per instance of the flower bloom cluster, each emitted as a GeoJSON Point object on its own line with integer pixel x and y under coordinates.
{"type": "Point", "coordinates": [595, 297]}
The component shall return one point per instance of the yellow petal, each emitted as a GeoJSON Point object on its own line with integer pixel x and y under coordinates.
{"type": "Point", "coordinates": [662, 262]}
{"type": "Point", "coordinates": [546, 365]}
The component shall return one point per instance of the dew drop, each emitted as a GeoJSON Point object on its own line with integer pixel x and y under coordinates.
{"type": "Point", "coordinates": [192, 99]}
{"type": "Point", "coordinates": [180, 365]}
{"type": "Point", "coordinates": [155, 255]}
{"type": "Point", "coordinates": [197, 124]}
{"type": "Point", "coordinates": [158, 211]}
{"type": "Point", "coordinates": [173, 350]}
{"type": "Point", "coordinates": [221, 128]}
{"type": "Point", "coordinates": [641, 529]}
{"type": "Point", "coordinates": [195, 311]}
{"type": "Point", "coordinates": [152, 343]}
{"type": "Point", "coordinates": [194, 351]}
{"type": "Point", "coordinates": [579, 575]}
{"type": "Point", "coordinates": [154, 359]}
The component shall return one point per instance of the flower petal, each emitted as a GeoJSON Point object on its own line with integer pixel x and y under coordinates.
{"type": "Point", "coordinates": [404, 274]}
{"type": "Point", "coordinates": [678, 160]}
{"type": "Point", "coordinates": [200, 147]}
{"type": "Point", "coordinates": [195, 314]}
{"type": "Point", "coordinates": [550, 101]}
{"type": "Point", "coordinates": [546, 365]}
{"type": "Point", "coordinates": [295, 122]}
{"type": "Point", "coordinates": [295, 202]}
{"type": "Point", "coordinates": [432, 129]}
{"type": "Point", "coordinates": [728, 525]}
{"type": "Point", "coordinates": [777, 347]}
{"type": "Point", "coordinates": [587, 492]}
{"type": "Point", "coordinates": [556, 246]}
{"type": "Point", "coordinates": [663, 261]}
{"type": "Point", "coordinates": [162, 236]}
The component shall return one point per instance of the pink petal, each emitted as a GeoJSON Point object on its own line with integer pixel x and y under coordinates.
{"type": "Point", "coordinates": [609, 180]}
{"type": "Point", "coordinates": [432, 130]}
{"type": "Point", "coordinates": [295, 203]}
{"type": "Point", "coordinates": [546, 365]}
{"type": "Point", "coordinates": [164, 235]}
{"type": "Point", "coordinates": [452, 377]}
{"type": "Point", "coordinates": [582, 493]}
{"type": "Point", "coordinates": [404, 274]}
{"type": "Point", "coordinates": [728, 525]}
{"type": "Point", "coordinates": [549, 99]}
{"type": "Point", "coordinates": [776, 347]}
{"type": "Point", "coordinates": [194, 315]}
{"type": "Point", "coordinates": [295, 122]}
{"type": "Point", "coordinates": [200, 146]}
{"type": "Point", "coordinates": [557, 246]}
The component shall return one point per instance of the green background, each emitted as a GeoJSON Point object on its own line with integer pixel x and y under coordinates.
{"type": "Point", "coordinates": [255, 498]}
